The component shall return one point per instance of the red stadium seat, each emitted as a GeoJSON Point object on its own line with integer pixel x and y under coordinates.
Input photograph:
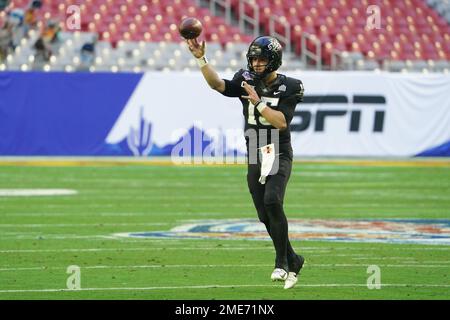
{"type": "Point", "coordinates": [409, 29]}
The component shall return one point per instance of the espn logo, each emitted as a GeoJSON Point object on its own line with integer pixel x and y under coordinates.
{"type": "Point", "coordinates": [303, 119]}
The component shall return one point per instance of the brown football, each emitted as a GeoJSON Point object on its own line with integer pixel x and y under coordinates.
{"type": "Point", "coordinates": [190, 28]}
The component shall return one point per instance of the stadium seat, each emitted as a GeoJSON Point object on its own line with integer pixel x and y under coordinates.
{"type": "Point", "coordinates": [412, 30]}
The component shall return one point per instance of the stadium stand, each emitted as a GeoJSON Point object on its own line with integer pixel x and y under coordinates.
{"type": "Point", "coordinates": [140, 35]}
{"type": "Point", "coordinates": [410, 31]}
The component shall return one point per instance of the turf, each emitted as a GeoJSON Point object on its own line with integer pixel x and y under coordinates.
{"type": "Point", "coordinates": [41, 236]}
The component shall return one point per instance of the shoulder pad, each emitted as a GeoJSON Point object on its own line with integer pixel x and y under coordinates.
{"type": "Point", "coordinates": [239, 74]}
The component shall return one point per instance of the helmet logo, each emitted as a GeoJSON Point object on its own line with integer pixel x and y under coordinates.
{"type": "Point", "coordinates": [274, 44]}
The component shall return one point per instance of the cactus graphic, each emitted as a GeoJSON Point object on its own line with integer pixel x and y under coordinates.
{"type": "Point", "coordinates": [139, 141]}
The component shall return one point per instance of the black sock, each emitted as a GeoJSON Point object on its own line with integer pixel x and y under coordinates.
{"type": "Point", "coordinates": [291, 255]}
{"type": "Point", "coordinates": [279, 234]}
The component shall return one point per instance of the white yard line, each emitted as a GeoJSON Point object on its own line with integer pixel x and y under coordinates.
{"type": "Point", "coordinates": [41, 225]}
{"type": "Point", "coordinates": [126, 249]}
{"type": "Point", "coordinates": [344, 265]}
{"type": "Point", "coordinates": [36, 192]}
{"type": "Point", "coordinates": [35, 235]}
{"type": "Point", "coordinates": [329, 250]}
{"type": "Point", "coordinates": [300, 247]}
{"type": "Point", "coordinates": [130, 249]}
{"type": "Point", "coordinates": [410, 260]}
{"type": "Point", "coordinates": [164, 266]}
{"type": "Point", "coordinates": [114, 214]}
{"type": "Point", "coordinates": [326, 252]}
{"type": "Point", "coordinates": [314, 252]}
{"type": "Point", "coordinates": [213, 286]}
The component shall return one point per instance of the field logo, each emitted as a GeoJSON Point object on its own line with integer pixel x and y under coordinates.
{"type": "Point", "coordinates": [404, 231]}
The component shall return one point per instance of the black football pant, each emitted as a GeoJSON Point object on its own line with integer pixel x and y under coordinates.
{"type": "Point", "coordinates": [268, 200]}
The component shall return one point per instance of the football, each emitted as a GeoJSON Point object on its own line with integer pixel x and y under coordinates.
{"type": "Point", "coordinates": [190, 28]}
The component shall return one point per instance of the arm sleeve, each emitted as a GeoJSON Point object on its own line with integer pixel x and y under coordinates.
{"type": "Point", "coordinates": [287, 105]}
{"type": "Point", "coordinates": [233, 87]}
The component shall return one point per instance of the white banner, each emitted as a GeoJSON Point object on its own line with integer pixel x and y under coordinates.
{"type": "Point", "coordinates": [369, 114]}
{"type": "Point", "coordinates": [344, 113]}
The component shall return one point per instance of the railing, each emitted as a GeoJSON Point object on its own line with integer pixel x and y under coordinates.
{"type": "Point", "coordinates": [250, 23]}
{"type": "Point", "coordinates": [313, 55]}
{"type": "Point", "coordinates": [343, 60]}
{"type": "Point", "coordinates": [225, 5]}
{"type": "Point", "coordinates": [245, 19]}
{"type": "Point", "coordinates": [287, 31]}
{"type": "Point", "coordinates": [335, 56]}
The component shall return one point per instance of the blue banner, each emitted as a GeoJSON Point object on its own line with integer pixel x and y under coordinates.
{"type": "Point", "coordinates": [61, 114]}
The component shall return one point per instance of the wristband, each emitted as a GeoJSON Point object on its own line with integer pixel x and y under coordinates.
{"type": "Point", "coordinates": [202, 61]}
{"type": "Point", "coordinates": [260, 106]}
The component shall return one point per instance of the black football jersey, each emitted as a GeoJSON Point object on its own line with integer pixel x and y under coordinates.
{"type": "Point", "coordinates": [282, 95]}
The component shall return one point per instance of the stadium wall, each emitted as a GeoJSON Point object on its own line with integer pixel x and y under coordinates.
{"type": "Point", "coordinates": [158, 114]}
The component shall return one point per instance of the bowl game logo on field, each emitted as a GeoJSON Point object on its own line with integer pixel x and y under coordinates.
{"type": "Point", "coordinates": [407, 231]}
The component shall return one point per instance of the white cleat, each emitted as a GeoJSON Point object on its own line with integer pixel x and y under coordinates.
{"type": "Point", "coordinates": [291, 280]}
{"type": "Point", "coordinates": [279, 275]}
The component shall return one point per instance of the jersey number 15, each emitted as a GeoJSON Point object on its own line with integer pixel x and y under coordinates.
{"type": "Point", "coordinates": [270, 102]}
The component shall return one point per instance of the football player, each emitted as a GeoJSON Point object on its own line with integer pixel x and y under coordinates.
{"type": "Point", "coordinates": [269, 100]}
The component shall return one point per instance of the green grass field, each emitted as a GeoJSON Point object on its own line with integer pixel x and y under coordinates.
{"type": "Point", "coordinates": [41, 236]}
